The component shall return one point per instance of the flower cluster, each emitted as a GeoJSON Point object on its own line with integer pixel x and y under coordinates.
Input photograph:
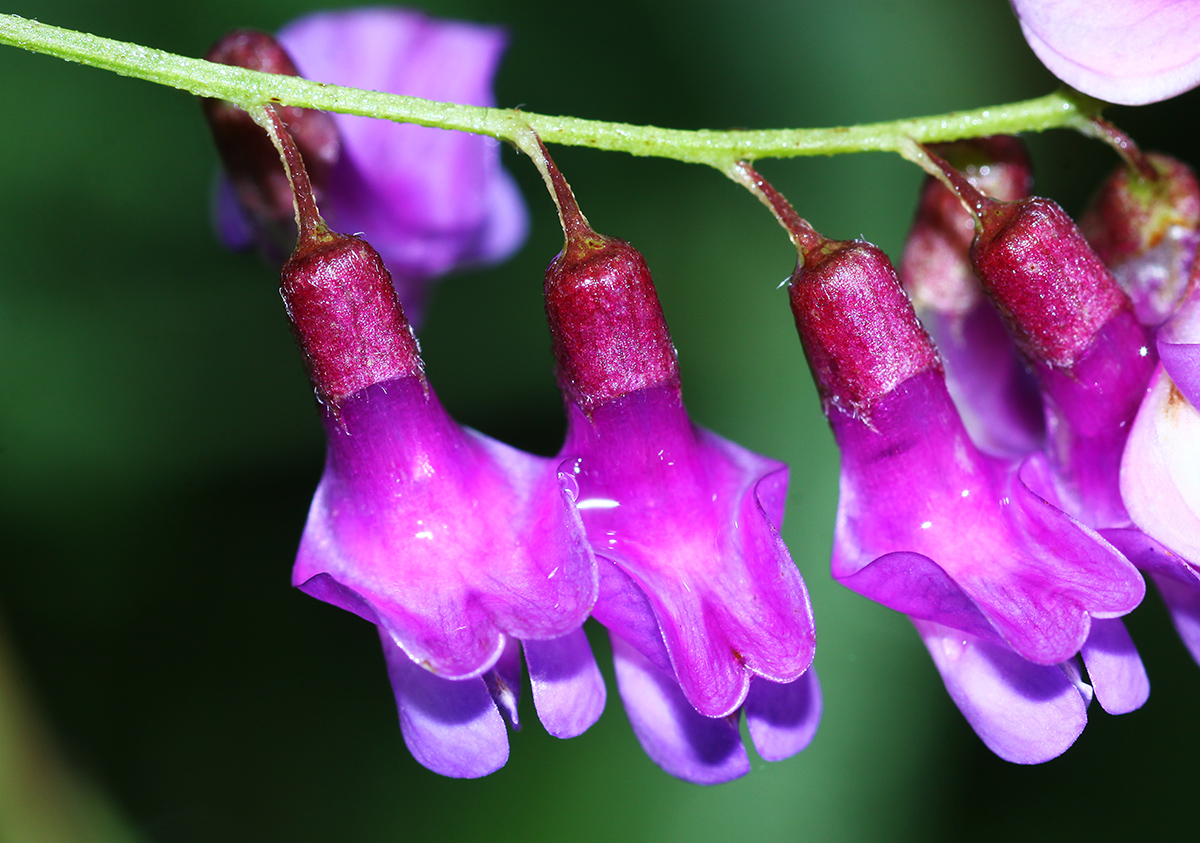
{"type": "Point", "coordinates": [467, 553]}
{"type": "Point", "coordinates": [1002, 494]}
{"type": "Point", "coordinates": [1016, 412]}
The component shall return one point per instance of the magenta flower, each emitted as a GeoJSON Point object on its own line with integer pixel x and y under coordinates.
{"type": "Point", "coordinates": [456, 546]}
{"type": "Point", "coordinates": [1125, 51]}
{"type": "Point", "coordinates": [995, 395]}
{"type": "Point", "coordinates": [430, 201]}
{"type": "Point", "coordinates": [707, 612]}
{"type": "Point", "coordinates": [1004, 588]}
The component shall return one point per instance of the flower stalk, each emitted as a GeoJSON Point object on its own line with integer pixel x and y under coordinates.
{"type": "Point", "coordinates": [1064, 108]}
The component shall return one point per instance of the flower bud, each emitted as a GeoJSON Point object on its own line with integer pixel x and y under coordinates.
{"type": "Point", "coordinates": [1146, 230]}
{"type": "Point", "coordinates": [250, 160]}
{"type": "Point", "coordinates": [346, 317]}
{"type": "Point", "coordinates": [1078, 331]}
{"type": "Point", "coordinates": [994, 394]}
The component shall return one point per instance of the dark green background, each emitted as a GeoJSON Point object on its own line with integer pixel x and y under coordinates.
{"type": "Point", "coordinates": [159, 443]}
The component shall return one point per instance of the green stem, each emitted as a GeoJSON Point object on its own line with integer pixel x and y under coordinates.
{"type": "Point", "coordinates": [247, 88]}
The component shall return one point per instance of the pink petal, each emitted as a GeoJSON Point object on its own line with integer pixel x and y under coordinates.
{"type": "Point", "coordinates": [1124, 51]}
{"type": "Point", "coordinates": [1160, 470]}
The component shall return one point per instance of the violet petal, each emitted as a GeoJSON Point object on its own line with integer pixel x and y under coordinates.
{"type": "Point", "coordinates": [1183, 602]}
{"type": "Point", "coordinates": [568, 689]}
{"type": "Point", "coordinates": [428, 200]}
{"type": "Point", "coordinates": [1025, 713]}
{"type": "Point", "coordinates": [685, 743]}
{"type": "Point", "coordinates": [1179, 345]}
{"type": "Point", "coordinates": [783, 717]}
{"type": "Point", "coordinates": [1114, 667]}
{"type": "Point", "coordinates": [450, 726]}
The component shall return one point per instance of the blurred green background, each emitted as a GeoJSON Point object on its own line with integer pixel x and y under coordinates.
{"type": "Point", "coordinates": [159, 444]}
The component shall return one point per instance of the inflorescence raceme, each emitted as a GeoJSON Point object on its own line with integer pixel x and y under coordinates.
{"type": "Point", "coordinates": [1016, 413]}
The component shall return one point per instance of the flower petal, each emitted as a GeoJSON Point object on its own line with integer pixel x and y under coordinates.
{"type": "Point", "coordinates": [1125, 51]}
{"type": "Point", "coordinates": [428, 200]}
{"type": "Point", "coordinates": [1179, 344]}
{"type": "Point", "coordinates": [685, 743]}
{"type": "Point", "coordinates": [913, 482]}
{"type": "Point", "coordinates": [1183, 602]}
{"type": "Point", "coordinates": [1160, 469]}
{"type": "Point", "coordinates": [783, 717]}
{"type": "Point", "coordinates": [1114, 667]}
{"type": "Point", "coordinates": [568, 689]}
{"type": "Point", "coordinates": [449, 540]}
{"type": "Point", "coordinates": [678, 510]}
{"type": "Point", "coordinates": [917, 586]}
{"type": "Point", "coordinates": [233, 227]}
{"type": "Point", "coordinates": [1026, 713]}
{"type": "Point", "coordinates": [450, 726]}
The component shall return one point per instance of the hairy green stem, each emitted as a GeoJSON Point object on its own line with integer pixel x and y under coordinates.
{"type": "Point", "coordinates": [249, 89]}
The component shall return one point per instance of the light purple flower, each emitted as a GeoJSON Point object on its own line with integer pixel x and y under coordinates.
{"type": "Point", "coordinates": [994, 393]}
{"type": "Point", "coordinates": [1124, 51]}
{"type": "Point", "coordinates": [707, 611]}
{"type": "Point", "coordinates": [1004, 588]}
{"type": "Point", "coordinates": [430, 201]}
{"type": "Point", "coordinates": [456, 546]}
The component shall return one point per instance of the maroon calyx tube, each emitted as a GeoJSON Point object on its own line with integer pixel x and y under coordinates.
{"type": "Point", "coordinates": [606, 323]}
{"type": "Point", "coordinates": [859, 331]}
{"type": "Point", "coordinates": [1053, 291]}
{"type": "Point", "coordinates": [340, 300]}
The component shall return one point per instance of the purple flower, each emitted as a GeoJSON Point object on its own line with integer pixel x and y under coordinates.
{"type": "Point", "coordinates": [1004, 588]}
{"type": "Point", "coordinates": [1078, 333]}
{"type": "Point", "coordinates": [707, 612]}
{"type": "Point", "coordinates": [456, 546]}
{"type": "Point", "coordinates": [992, 390]}
{"type": "Point", "coordinates": [431, 201]}
{"type": "Point", "coordinates": [1124, 51]}
{"type": "Point", "coordinates": [1145, 227]}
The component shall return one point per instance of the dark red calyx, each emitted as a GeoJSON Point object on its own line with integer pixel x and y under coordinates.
{"type": "Point", "coordinates": [1131, 213]}
{"type": "Point", "coordinates": [345, 316]}
{"type": "Point", "coordinates": [935, 270]}
{"type": "Point", "coordinates": [249, 158]}
{"type": "Point", "coordinates": [1052, 289]}
{"type": "Point", "coordinates": [859, 331]}
{"type": "Point", "coordinates": [606, 323]}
